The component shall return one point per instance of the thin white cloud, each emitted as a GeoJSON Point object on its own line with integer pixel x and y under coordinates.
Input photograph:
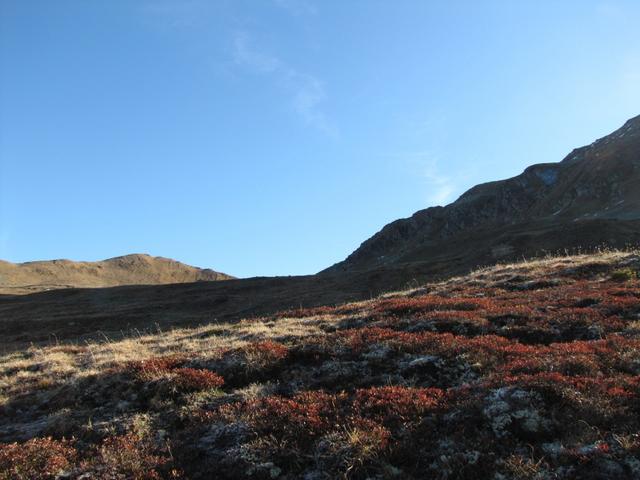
{"type": "Point", "coordinates": [440, 188]}
{"type": "Point", "coordinates": [246, 56]}
{"type": "Point", "coordinates": [306, 91]}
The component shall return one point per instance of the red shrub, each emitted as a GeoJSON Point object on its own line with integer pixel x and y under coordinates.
{"type": "Point", "coordinates": [427, 303]}
{"type": "Point", "coordinates": [267, 351]}
{"type": "Point", "coordinates": [185, 379]}
{"type": "Point", "coordinates": [127, 456]}
{"type": "Point", "coordinates": [191, 379]}
{"type": "Point", "coordinates": [377, 436]}
{"type": "Point", "coordinates": [39, 458]}
{"type": "Point", "coordinates": [310, 414]}
{"type": "Point", "coordinates": [454, 316]}
{"type": "Point", "coordinates": [619, 392]}
{"type": "Point", "coordinates": [393, 403]}
{"type": "Point", "coordinates": [361, 339]}
{"type": "Point", "coordinates": [300, 418]}
{"type": "Point", "coordinates": [613, 387]}
{"type": "Point", "coordinates": [158, 364]}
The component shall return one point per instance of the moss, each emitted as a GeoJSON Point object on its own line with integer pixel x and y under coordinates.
{"type": "Point", "coordinates": [624, 275]}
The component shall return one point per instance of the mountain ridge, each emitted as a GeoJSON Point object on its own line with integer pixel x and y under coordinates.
{"type": "Point", "coordinates": [131, 269]}
{"type": "Point", "coordinates": [598, 181]}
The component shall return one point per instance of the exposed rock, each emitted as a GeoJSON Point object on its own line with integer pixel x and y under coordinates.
{"type": "Point", "coordinates": [428, 361]}
{"type": "Point", "coordinates": [593, 190]}
{"type": "Point", "coordinates": [512, 411]}
{"type": "Point", "coordinates": [380, 352]}
{"type": "Point", "coordinates": [338, 372]}
{"type": "Point", "coordinates": [222, 434]}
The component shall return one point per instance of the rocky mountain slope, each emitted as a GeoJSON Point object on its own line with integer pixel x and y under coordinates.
{"type": "Point", "coordinates": [591, 197]}
{"type": "Point", "coordinates": [136, 269]}
{"type": "Point", "coordinates": [522, 371]}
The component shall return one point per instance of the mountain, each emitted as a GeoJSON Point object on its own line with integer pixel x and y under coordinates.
{"type": "Point", "coordinates": [590, 198]}
{"type": "Point", "coordinates": [136, 269]}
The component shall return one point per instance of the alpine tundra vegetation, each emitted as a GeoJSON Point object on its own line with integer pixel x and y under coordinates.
{"type": "Point", "coordinates": [525, 370]}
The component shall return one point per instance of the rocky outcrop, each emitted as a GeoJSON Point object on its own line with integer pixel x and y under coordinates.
{"type": "Point", "coordinates": [597, 182]}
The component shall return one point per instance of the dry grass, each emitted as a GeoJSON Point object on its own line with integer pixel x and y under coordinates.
{"type": "Point", "coordinates": [56, 365]}
{"type": "Point", "coordinates": [59, 364]}
{"type": "Point", "coordinates": [358, 390]}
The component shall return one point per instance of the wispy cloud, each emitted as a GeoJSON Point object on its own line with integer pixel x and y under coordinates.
{"type": "Point", "coordinates": [440, 188]}
{"type": "Point", "coordinates": [298, 7]}
{"type": "Point", "coordinates": [306, 92]}
{"type": "Point", "coordinates": [245, 55]}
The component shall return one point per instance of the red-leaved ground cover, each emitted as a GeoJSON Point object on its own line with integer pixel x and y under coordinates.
{"type": "Point", "coordinates": [504, 378]}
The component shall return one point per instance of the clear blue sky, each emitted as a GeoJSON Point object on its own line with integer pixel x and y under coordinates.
{"type": "Point", "coordinates": [270, 137]}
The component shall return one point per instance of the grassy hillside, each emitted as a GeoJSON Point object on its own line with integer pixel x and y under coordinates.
{"type": "Point", "coordinates": [518, 371]}
{"type": "Point", "coordinates": [135, 269]}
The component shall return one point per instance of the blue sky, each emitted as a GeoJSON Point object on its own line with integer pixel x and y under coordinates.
{"type": "Point", "coordinates": [272, 137]}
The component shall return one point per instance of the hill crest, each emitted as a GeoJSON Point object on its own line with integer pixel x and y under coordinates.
{"type": "Point", "coordinates": [132, 269]}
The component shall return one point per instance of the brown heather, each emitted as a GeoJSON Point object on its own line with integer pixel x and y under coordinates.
{"type": "Point", "coordinates": [528, 370]}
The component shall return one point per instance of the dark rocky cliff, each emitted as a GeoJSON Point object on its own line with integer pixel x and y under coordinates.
{"type": "Point", "coordinates": [595, 190]}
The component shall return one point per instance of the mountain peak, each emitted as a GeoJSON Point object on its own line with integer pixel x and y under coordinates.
{"type": "Point", "coordinates": [591, 193]}
{"type": "Point", "coordinates": [132, 269]}
{"type": "Point", "coordinates": [630, 131]}
{"type": "Point", "coordinates": [632, 123]}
